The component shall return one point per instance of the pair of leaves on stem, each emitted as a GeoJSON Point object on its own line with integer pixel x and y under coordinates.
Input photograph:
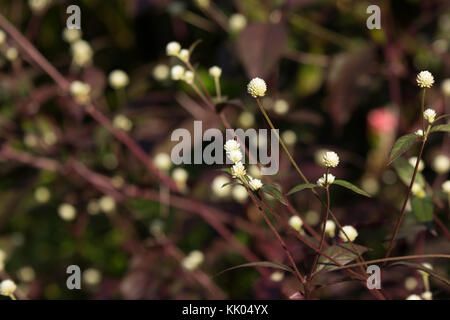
{"type": "Point", "coordinates": [339, 182]}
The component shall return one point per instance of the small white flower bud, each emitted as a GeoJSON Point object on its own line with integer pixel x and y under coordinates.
{"type": "Point", "coordinates": [425, 79]}
{"type": "Point", "coordinates": [72, 35]}
{"type": "Point", "coordinates": [121, 122]}
{"type": "Point", "coordinates": [161, 72]}
{"type": "Point", "coordinates": [237, 22]}
{"type": "Point", "coordinates": [231, 145]}
{"type": "Point", "coordinates": [330, 228]}
{"type": "Point", "coordinates": [92, 276]}
{"type": "Point", "coordinates": [418, 191]}
{"type": "Point", "coordinates": [188, 77]}
{"type": "Point", "coordinates": [296, 223]}
{"type": "Point", "coordinates": [329, 179]}
{"type": "Point", "coordinates": [173, 48]}
{"type": "Point", "coordinates": [118, 79]}
{"type": "Point", "coordinates": [80, 91]}
{"type": "Point", "coordinates": [11, 54]}
{"type": "Point", "coordinates": [429, 115]}
{"type": "Point", "coordinates": [289, 137]}
{"type": "Point", "coordinates": [255, 184]}
{"type": "Point", "coordinates": [217, 184]}
{"type": "Point", "coordinates": [26, 274]}
{"type": "Point", "coordinates": [277, 276]}
{"type": "Point", "coordinates": [163, 161]}
{"type": "Point", "coordinates": [331, 159]}
{"type": "Point", "coordinates": [215, 72]}
{"type": "Point", "coordinates": [446, 87]}
{"type": "Point", "coordinates": [42, 194]}
{"type": "Point", "coordinates": [177, 72]}
{"type": "Point", "coordinates": [441, 164]}
{"type": "Point", "coordinates": [67, 212]}
{"type": "Point", "coordinates": [350, 231]}
{"type": "Point", "coordinates": [193, 260]}
{"type": "Point", "coordinates": [410, 283]}
{"type": "Point", "coordinates": [180, 176]}
{"type": "Point", "coordinates": [281, 107]}
{"type": "Point", "coordinates": [427, 295]}
{"type": "Point", "coordinates": [235, 155]}
{"type": "Point", "coordinates": [414, 297]}
{"type": "Point", "coordinates": [246, 119]}
{"type": "Point", "coordinates": [81, 53]}
{"type": "Point", "coordinates": [239, 193]}
{"type": "Point", "coordinates": [446, 187]}
{"type": "Point", "coordinates": [7, 287]}
{"type": "Point", "coordinates": [419, 133]}
{"type": "Point", "coordinates": [184, 55]}
{"type": "Point", "coordinates": [38, 5]}
{"type": "Point", "coordinates": [107, 204]}
{"type": "Point", "coordinates": [93, 207]}
{"type": "Point", "coordinates": [257, 87]}
{"type": "Point", "coordinates": [412, 161]}
{"type": "Point", "coordinates": [238, 170]}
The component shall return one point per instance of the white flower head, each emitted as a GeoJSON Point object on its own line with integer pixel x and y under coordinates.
{"type": "Point", "coordinates": [163, 161]}
{"type": "Point", "coordinates": [331, 159]}
{"type": "Point", "coordinates": [235, 155]}
{"type": "Point", "coordinates": [255, 184]}
{"type": "Point", "coordinates": [107, 204]}
{"type": "Point", "coordinates": [231, 145]}
{"type": "Point", "coordinates": [38, 5]}
{"type": "Point", "coordinates": [330, 228]}
{"type": "Point", "coordinates": [350, 231]}
{"type": "Point", "coordinates": [121, 122]}
{"type": "Point", "coordinates": [237, 22]}
{"type": "Point", "coordinates": [81, 53]}
{"type": "Point", "coordinates": [173, 48]}
{"type": "Point", "coordinates": [330, 179]}
{"type": "Point", "coordinates": [92, 276]}
{"type": "Point", "coordinates": [289, 137]}
{"type": "Point", "coordinates": [239, 193]}
{"type": "Point", "coordinates": [161, 72]}
{"type": "Point", "coordinates": [257, 87]}
{"type": "Point", "coordinates": [296, 223]}
{"type": "Point", "coordinates": [2, 37]}
{"type": "Point", "coordinates": [427, 295]}
{"type": "Point", "coordinates": [238, 170]}
{"type": "Point", "coordinates": [80, 91]}
{"type": "Point", "coordinates": [184, 55]}
{"type": "Point", "coordinates": [177, 72]}
{"type": "Point", "coordinates": [429, 115]}
{"type": "Point", "coordinates": [72, 35]}
{"type": "Point", "coordinates": [419, 133]}
{"type": "Point", "coordinates": [7, 287]}
{"type": "Point", "coordinates": [412, 161]}
{"type": "Point", "coordinates": [188, 77]}
{"type": "Point", "coordinates": [425, 79]}
{"type": "Point", "coordinates": [218, 188]}
{"type": "Point", "coordinates": [193, 260]}
{"type": "Point", "coordinates": [118, 79]}
{"type": "Point", "coordinates": [281, 107]}
{"type": "Point", "coordinates": [441, 164]}
{"type": "Point", "coordinates": [67, 212]}
{"type": "Point", "coordinates": [414, 297]}
{"type": "Point", "coordinates": [277, 276]}
{"type": "Point", "coordinates": [42, 194]}
{"type": "Point", "coordinates": [446, 87]}
{"type": "Point", "coordinates": [446, 187]}
{"type": "Point", "coordinates": [11, 54]}
{"type": "Point", "coordinates": [246, 119]}
{"type": "Point", "coordinates": [215, 72]}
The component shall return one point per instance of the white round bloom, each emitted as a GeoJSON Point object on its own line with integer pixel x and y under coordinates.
{"type": "Point", "coordinates": [118, 79]}
{"type": "Point", "coordinates": [419, 133]}
{"type": "Point", "coordinates": [425, 79]}
{"type": "Point", "coordinates": [72, 35]}
{"type": "Point", "coordinates": [312, 218]}
{"type": "Point", "coordinates": [257, 87]}
{"type": "Point", "coordinates": [330, 179]}
{"type": "Point", "coordinates": [254, 171]}
{"type": "Point", "coordinates": [441, 164]}
{"type": "Point", "coordinates": [202, 4]}
{"type": "Point", "coordinates": [350, 231]}
{"type": "Point", "coordinates": [429, 115]}
{"type": "Point", "coordinates": [184, 55]}
{"type": "Point", "coordinates": [238, 170]}
{"type": "Point", "coordinates": [237, 22]}
{"type": "Point", "coordinates": [427, 295]}
{"type": "Point", "coordinates": [173, 48]}
{"type": "Point", "coordinates": [26, 274]}
{"type": "Point", "coordinates": [2, 37]}
{"type": "Point", "coordinates": [11, 54]}
{"type": "Point", "coordinates": [331, 159]}
{"type": "Point", "coordinates": [107, 204]}
{"type": "Point", "coordinates": [7, 287]}
{"type": "Point", "coordinates": [2, 255]}
{"type": "Point", "coordinates": [163, 161]}
{"type": "Point", "coordinates": [412, 161]}
{"type": "Point", "coordinates": [156, 227]}
{"type": "Point", "coordinates": [239, 193]}
{"type": "Point", "coordinates": [277, 276]}
{"type": "Point", "coordinates": [215, 72]}
{"type": "Point", "coordinates": [81, 53]}
{"type": "Point", "coordinates": [414, 297]}
{"type": "Point", "coordinates": [92, 276]}
{"type": "Point", "coordinates": [217, 186]}
{"type": "Point", "coordinates": [121, 122]}
{"type": "Point", "coordinates": [161, 72]}
{"type": "Point", "coordinates": [188, 77]}
{"type": "Point", "coordinates": [193, 260]}
{"type": "Point", "coordinates": [235, 156]}
{"type": "Point", "coordinates": [67, 212]}
{"type": "Point", "coordinates": [80, 91]}
{"type": "Point", "coordinates": [410, 283]}
{"type": "Point", "coordinates": [246, 119]}
{"type": "Point", "coordinates": [330, 228]}
{"type": "Point", "coordinates": [296, 223]}
{"type": "Point", "coordinates": [38, 5]}
{"type": "Point", "coordinates": [177, 72]}
{"type": "Point", "coordinates": [180, 176]}
{"type": "Point", "coordinates": [446, 187]}
{"type": "Point", "coordinates": [446, 87]}
{"type": "Point", "coordinates": [417, 190]}
{"type": "Point", "coordinates": [255, 184]}
{"type": "Point", "coordinates": [289, 137]}
{"type": "Point", "coordinates": [231, 145]}
{"type": "Point", "coordinates": [42, 194]}
{"type": "Point", "coordinates": [281, 107]}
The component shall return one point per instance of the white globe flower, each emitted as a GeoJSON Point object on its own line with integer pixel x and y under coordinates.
{"type": "Point", "coordinates": [446, 87]}
{"type": "Point", "coordinates": [42, 194]}
{"type": "Point", "coordinates": [193, 260]}
{"type": "Point", "coordinates": [330, 179]}
{"type": "Point", "coordinates": [257, 87]}
{"type": "Point", "coordinates": [231, 145]}
{"type": "Point", "coordinates": [412, 161]}
{"type": "Point", "coordinates": [429, 115]}
{"type": "Point", "coordinates": [11, 54]}
{"type": "Point", "coordinates": [237, 22]}
{"type": "Point", "coordinates": [163, 161]}
{"type": "Point", "coordinates": [107, 204]}
{"type": "Point", "coordinates": [67, 212]}
{"type": "Point", "coordinates": [235, 156]}
{"type": "Point", "coordinates": [161, 72]}
{"type": "Point", "coordinates": [425, 79]}
{"type": "Point", "coordinates": [289, 137]}
{"type": "Point", "coordinates": [118, 79]}
{"type": "Point", "coordinates": [80, 91]}
{"type": "Point", "coordinates": [81, 53]}
{"type": "Point", "coordinates": [411, 283]}
{"type": "Point", "coordinates": [121, 122]}
{"type": "Point", "coordinates": [92, 276]}
{"type": "Point", "coordinates": [296, 223]}
{"type": "Point", "coordinates": [184, 55]}
{"type": "Point", "coordinates": [246, 119]}
{"type": "Point", "coordinates": [239, 193]}
{"type": "Point", "coordinates": [350, 231]}
{"type": "Point", "coordinates": [331, 159]}
{"type": "Point", "coordinates": [277, 276]}
{"type": "Point", "coordinates": [330, 228]}
{"type": "Point", "coordinates": [188, 77]}
{"type": "Point", "coordinates": [255, 184]}
{"type": "Point", "coordinates": [72, 35]}
{"type": "Point", "coordinates": [446, 187]}
{"type": "Point", "coordinates": [441, 164]}
{"type": "Point", "coordinates": [177, 72]}
{"type": "Point", "coordinates": [215, 72]}
{"type": "Point", "coordinates": [217, 184]}
{"type": "Point", "coordinates": [427, 295]}
{"type": "Point", "coordinates": [238, 170]}
{"type": "Point", "coordinates": [173, 48]}
{"type": "Point", "coordinates": [7, 287]}
{"type": "Point", "coordinates": [281, 107]}
{"type": "Point", "coordinates": [414, 297]}
{"type": "Point", "coordinates": [180, 176]}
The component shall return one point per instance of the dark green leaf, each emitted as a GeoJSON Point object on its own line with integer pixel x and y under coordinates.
{"type": "Point", "coordinates": [274, 192]}
{"type": "Point", "coordinates": [351, 186]}
{"type": "Point", "coordinates": [420, 267]}
{"type": "Point", "coordinates": [405, 171]}
{"type": "Point", "coordinates": [422, 208]}
{"type": "Point", "coordinates": [441, 128]}
{"type": "Point", "coordinates": [301, 187]}
{"type": "Point", "coordinates": [401, 146]}
{"type": "Point", "coordinates": [259, 264]}
{"type": "Point", "coordinates": [342, 253]}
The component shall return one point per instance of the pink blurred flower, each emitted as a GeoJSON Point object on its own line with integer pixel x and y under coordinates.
{"type": "Point", "coordinates": [382, 120]}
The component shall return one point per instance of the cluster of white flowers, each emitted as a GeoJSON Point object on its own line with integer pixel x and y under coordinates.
{"type": "Point", "coordinates": [180, 73]}
{"type": "Point", "coordinates": [80, 91]}
{"type": "Point", "coordinates": [425, 79]}
{"type": "Point", "coordinates": [193, 260]}
{"type": "Point", "coordinates": [350, 231]}
{"type": "Point", "coordinates": [429, 115]}
{"type": "Point", "coordinates": [7, 287]}
{"type": "Point", "coordinates": [173, 49]}
{"type": "Point", "coordinates": [257, 87]}
{"type": "Point", "coordinates": [121, 122]}
{"type": "Point", "coordinates": [331, 159]}
{"type": "Point", "coordinates": [329, 179]}
{"type": "Point", "coordinates": [118, 79]}
{"type": "Point", "coordinates": [255, 184]}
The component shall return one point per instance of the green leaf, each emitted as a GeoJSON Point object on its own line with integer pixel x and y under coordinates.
{"type": "Point", "coordinates": [351, 186]}
{"type": "Point", "coordinates": [266, 264]}
{"type": "Point", "coordinates": [401, 146]}
{"type": "Point", "coordinates": [301, 187]}
{"type": "Point", "coordinates": [274, 192]}
{"type": "Point", "coordinates": [405, 171]}
{"type": "Point", "coordinates": [441, 128]}
{"type": "Point", "coordinates": [232, 183]}
{"type": "Point", "coordinates": [342, 253]}
{"type": "Point", "coordinates": [420, 267]}
{"type": "Point", "coordinates": [422, 208]}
